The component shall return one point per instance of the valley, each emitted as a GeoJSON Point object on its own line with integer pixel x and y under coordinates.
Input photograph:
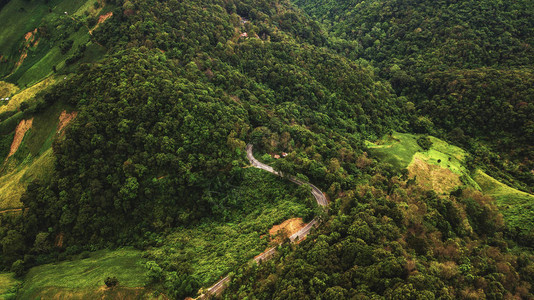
{"type": "Point", "coordinates": [127, 169]}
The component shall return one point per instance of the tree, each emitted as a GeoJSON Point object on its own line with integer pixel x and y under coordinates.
{"type": "Point", "coordinates": [424, 142]}
{"type": "Point", "coordinates": [18, 268]}
{"type": "Point", "coordinates": [111, 282]}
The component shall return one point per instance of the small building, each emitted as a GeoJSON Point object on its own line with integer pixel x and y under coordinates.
{"type": "Point", "coordinates": [244, 34]}
{"type": "Point", "coordinates": [276, 156]}
{"type": "Point", "coordinates": [284, 154]}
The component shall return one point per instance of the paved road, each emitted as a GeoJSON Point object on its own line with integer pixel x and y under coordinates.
{"type": "Point", "coordinates": [219, 287]}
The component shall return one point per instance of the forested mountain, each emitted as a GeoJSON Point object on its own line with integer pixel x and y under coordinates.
{"type": "Point", "coordinates": [159, 98]}
{"type": "Point", "coordinates": [467, 65]}
{"type": "Point", "coordinates": [145, 114]}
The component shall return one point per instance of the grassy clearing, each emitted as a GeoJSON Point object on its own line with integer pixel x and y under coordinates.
{"type": "Point", "coordinates": [439, 168]}
{"type": "Point", "coordinates": [40, 62]}
{"type": "Point", "coordinates": [516, 206]}
{"type": "Point", "coordinates": [397, 149]}
{"type": "Point", "coordinates": [34, 158]}
{"type": "Point", "coordinates": [213, 249]}
{"type": "Point", "coordinates": [8, 285]}
{"type": "Point", "coordinates": [44, 129]}
{"type": "Point", "coordinates": [84, 278]}
{"type": "Point", "coordinates": [27, 94]}
{"type": "Point", "coordinates": [89, 6]}
{"type": "Point", "coordinates": [7, 90]}
{"type": "Point", "coordinates": [19, 17]}
{"type": "Point", "coordinates": [402, 151]}
{"type": "Point", "coordinates": [14, 183]}
{"type": "Point", "coordinates": [433, 177]}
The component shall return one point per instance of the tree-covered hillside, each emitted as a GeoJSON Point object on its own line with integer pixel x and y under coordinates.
{"type": "Point", "coordinates": [154, 154]}
{"type": "Point", "coordinates": [160, 127]}
{"type": "Point", "coordinates": [465, 64]}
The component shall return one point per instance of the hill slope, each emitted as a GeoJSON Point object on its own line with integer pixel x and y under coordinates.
{"type": "Point", "coordinates": [466, 65]}
{"type": "Point", "coordinates": [155, 159]}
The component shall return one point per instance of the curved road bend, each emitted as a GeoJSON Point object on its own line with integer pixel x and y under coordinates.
{"type": "Point", "coordinates": [219, 287]}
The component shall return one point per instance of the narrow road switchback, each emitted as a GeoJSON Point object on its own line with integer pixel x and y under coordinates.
{"type": "Point", "coordinates": [319, 196]}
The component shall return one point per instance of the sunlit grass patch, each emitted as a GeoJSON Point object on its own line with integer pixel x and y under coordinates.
{"type": "Point", "coordinates": [26, 94]}
{"type": "Point", "coordinates": [84, 278]}
{"type": "Point", "coordinates": [6, 90]}
{"type": "Point", "coordinates": [14, 183]}
{"type": "Point", "coordinates": [8, 285]}
{"type": "Point", "coordinates": [516, 206]}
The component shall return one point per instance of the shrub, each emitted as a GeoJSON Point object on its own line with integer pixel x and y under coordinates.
{"type": "Point", "coordinates": [18, 268]}
{"type": "Point", "coordinates": [424, 142]}
{"type": "Point", "coordinates": [111, 281]}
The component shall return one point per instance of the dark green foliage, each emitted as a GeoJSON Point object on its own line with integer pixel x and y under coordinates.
{"type": "Point", "coordinates": [65, 46]}
{"type": "Point", "coordinates": [465, 64]}
{"type": "Point", "coordinates": [5, 144]}
{"type": "Point", "coordinates": [18, 268]}
{"type": "Point", "coordinates": [155, 134]}
{"type": "Point", "coordinates": [424, 142]}
{"type": "Point", "coordinates": [111, 282]}
{"type": "Point", "coordinates": [362, 253]}
{"type": "Point", "coordinates": [163, 120]}
{"type": "Point", "coordinates": [8, 125]}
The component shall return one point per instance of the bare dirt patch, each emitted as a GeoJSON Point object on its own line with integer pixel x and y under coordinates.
{"type": "Point", "coordinates": [30, 35]}
{"type": "Point", "coordinates": [433, 177]}
{"type": "Point", "coordinates": [10, 210]}
{"type": "Point", "coordinates": [21, 130]}
{"type": "Point", "coordinates": [64, 119]}
{"type": "Point", "coordinates": [286, 229]}
{"type": "Point", "coordinates": [59, 240]}
{"type": "Point", "coordinates": [21, 59]}
{"type": "Point", "coordinates": [30, 41]}
{"type": "Point", "coordinates": [101, 20]}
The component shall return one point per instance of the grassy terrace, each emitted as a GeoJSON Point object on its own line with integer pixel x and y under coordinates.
{"type": "Point", "coordinates": [401, 150]}
{"type": "Point", "coordinates": [84, 278]}
{"type": "Point", "coordinates": [34, 158]}
{"type": "Point", "coordinates": [516, 206]}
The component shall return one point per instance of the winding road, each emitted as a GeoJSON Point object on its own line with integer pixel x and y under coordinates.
{"type": "Point", "coordinates": [319, 196]}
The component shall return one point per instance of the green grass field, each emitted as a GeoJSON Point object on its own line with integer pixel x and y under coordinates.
{"type": "Point", "coordinates": [33, 160]}
{"type": "Point", "coordinates": [397, 149]}
{"type": "Point", "coordinates": [8, 285]}
{"type": "Point", "coordinates": [84, 278]}
{"type": "Point", "coordinates": [516, 206]}
{"type": "Point", "coordinates": [13, 184]}
{"type": "Point", "coordinates": [7, 90]}
{"type": "Point", "coordinates": [19, 17]}
{"type": "Point", "coordinates": [400, 150]}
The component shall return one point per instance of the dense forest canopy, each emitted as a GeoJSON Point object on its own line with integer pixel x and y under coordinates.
{"type": "Point", "coordinates": [163, 117]}
{"type": "Point", "coordinates": [145, 115]}
{"type": "Point", "coordinates": [464, 64]}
